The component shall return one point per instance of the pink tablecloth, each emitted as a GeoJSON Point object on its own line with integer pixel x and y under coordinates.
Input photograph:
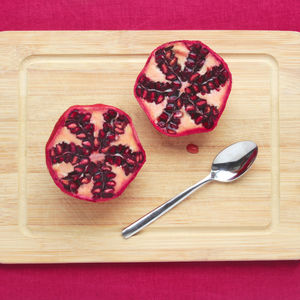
{"type": "Point", "coordinates": [238, 280]}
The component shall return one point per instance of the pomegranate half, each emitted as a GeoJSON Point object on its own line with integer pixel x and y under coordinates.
{"type": "Point", "coordinates": [94, 152]}
{"type": "Point", "coordinates": [183, 88]}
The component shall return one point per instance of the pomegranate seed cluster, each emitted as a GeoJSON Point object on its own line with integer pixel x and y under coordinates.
{"type": "Point", "coordinates": [184, 87]}
{"type": "Point", "coordinates": [85, 169]}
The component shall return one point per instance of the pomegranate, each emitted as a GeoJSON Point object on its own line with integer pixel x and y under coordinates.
{"type": "Point", "coordinates": [94, 152]}
{"type": "Point", "coordinates": [183, 88]}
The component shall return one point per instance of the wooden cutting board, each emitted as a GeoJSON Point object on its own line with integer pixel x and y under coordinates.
{"type": "Point", "coordinates": [254, 218]}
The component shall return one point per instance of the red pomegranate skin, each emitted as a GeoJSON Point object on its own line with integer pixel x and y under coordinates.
{"type": "Point", "coordinates": [212, 70]}
{"type": "Point", "coordinates": [100, 154]}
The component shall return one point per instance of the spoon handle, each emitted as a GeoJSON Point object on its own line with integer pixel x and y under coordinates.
{"type": "Point", "coordinates": [162, 209]}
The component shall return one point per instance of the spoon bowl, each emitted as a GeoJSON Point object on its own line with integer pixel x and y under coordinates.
{"type": "Point", "coordinates": [233, 161]}
{"type": "Point", "coordinates": [230, 164]}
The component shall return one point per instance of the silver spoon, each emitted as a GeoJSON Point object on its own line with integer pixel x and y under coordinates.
{"type": "Point", "coordinates": [229, 165]}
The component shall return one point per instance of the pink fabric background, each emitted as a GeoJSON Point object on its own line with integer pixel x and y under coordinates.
{"type": "Point", "coordinates": [224, 280]}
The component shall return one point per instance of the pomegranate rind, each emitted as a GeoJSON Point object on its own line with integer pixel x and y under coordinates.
{"type": "Point", "coordinates": [221, 108]}
{"type": "Point", "coordinates": [60, 123]}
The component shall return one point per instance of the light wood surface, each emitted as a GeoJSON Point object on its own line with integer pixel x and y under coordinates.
{"type": "Point", "coordinates": [256, 217]}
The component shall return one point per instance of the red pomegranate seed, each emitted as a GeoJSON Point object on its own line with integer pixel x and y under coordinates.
{"type": "Point", "coordinates": [74, 160]}
{"type": "Point", "coordinates": [179, 103]}
{"type": "Point", "coordinates": [87, 143]}
{"type": "Point", "coordinates": [111, 137]}
{"type": "Point", "coordinates": [160, 99]}
{"type": "Point", "coordinates": [73, 186]}
{"type": "Point", "coordinates": [119, 131]}
{"type": "Point", "coordinates": [163, 117]}
{"type": "Point", "coordinates": [110, 175]}
{"type": "Point", "coordinates": [75, 177]}
{"type": "Point", "coordinates": [195, 76]}
{"type": "Point", "coordinates": [65, 181]}
{"type": "Point", "coordinates": [215, 111]}
{"type": "Point", "coordinates": [79, 169]}
{"type": "Point", "coordinates": [199, 120]}
{"type": "Point", "coordinates": [72, 147]}
{"type": "Point", "coordinates": [190, 108]}
{"type": "Point", "coordinates": [118, 160]}
{"type": "Point", "coordinates": [152, 97]}
{"type": "Point", "coordinates": [89, 127]}
{"type": "Point", "coordinates": [178, 114]}
{"type": "Point", "coordinates": [188, 90]}
{"type": "Point", "coordinates": [172, 125]}
{"type": "Point", "coordinates": [113, 149]}
{"type": "Point", "coordinates": [73, 114]}
{"type": "Point", "coordinates": [106, 168]}
{"type": "Point", "coordinates": [168, 54]}
{"type": "Point", "coordinates": [108, 191]}
{"type": "Point", "coordinates": [173, 61]}
{"type": "Point", "coordinates": [84, 161]}
{"type": "Point", "coordinates": [176, 84]}
{"type": "Point", "coordinates": [201, 103]}
{"type": "Point", "coordinates": [207, 110]}
{"type": "Point", "coordinates": [161, 124]}
{"type": "Point", "coordinates": [119, 124]}
{"type": "Point", "coordinates": [130, 161]}
{"type": "Point", "coordinates": [72, 125]}
{"type": "Point", "coordinates": [211, 85]}
{"type": "Point", "coordinates": [171, 131]}
{"type": "Point", "coordinates": [97, 177]}
{"type": "Point", "coordinates": [104, 150]}
{"type": "Point", "coordinates": [171, 77]}
{"type": "Point", "coordinates": [81, 135]}
{"type": "Point", "coordinates": [85, 180]}
{"type": "Point", "coordinates": [110, 159]}
{"type": "Point", "coordinates": [164, 68]}
{"type": "Point", "coordinates": [145, 94]}
{"type": "Point", "coordinates": [86, 151]}
{"type": "Point", "coordinates": [58, 149]}
{"type": "Point", "coordinates": [192, 148]}
{"type": "Point", "coordinates": [74, 130]}
{"type": "Point", "coordinates": [195, 88]}
{"type": "Point", "coordinates": [204, 89]}
{"type": "Point", "coordinates": [52, 152]}
{"type": "Point", "coordinates": [87, 117]}
{"type": "Point", "coordinates": [102, 133]}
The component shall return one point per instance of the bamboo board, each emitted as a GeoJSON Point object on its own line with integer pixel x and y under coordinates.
{"type": "Point", "coordinates": [254, 218]}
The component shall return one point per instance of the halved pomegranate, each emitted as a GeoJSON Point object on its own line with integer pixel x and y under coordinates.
{"type": "Point", "coordinates": [183, 88]}
{"type": "Point", "coordinates": [94, 152]}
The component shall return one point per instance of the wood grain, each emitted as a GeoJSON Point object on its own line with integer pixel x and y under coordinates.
{"type": "Point", "coordinates": [256, 217]}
